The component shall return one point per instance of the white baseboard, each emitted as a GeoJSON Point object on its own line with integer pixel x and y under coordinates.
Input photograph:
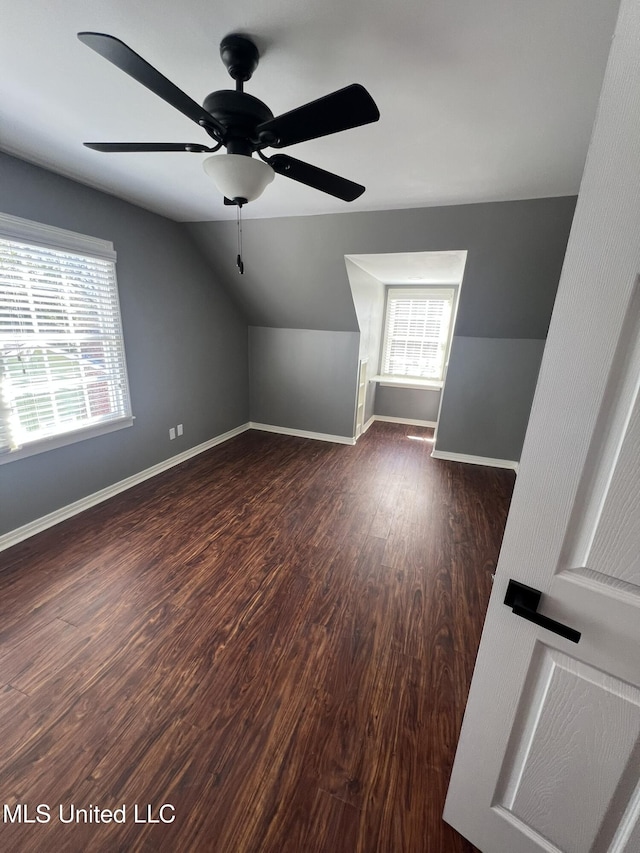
{"type": "Point", "coordinates": [13, 537]}
{"type": "Point", "coordinates": [409, 421]}
{"type": "Point", "coordinates": [302, 433]}
{"type": "Point", "coordinates": [40, 524]}
{"type": "Point", "coordinates": [368, 424]}
{"type": "Point", "coordinates": [475, 460]}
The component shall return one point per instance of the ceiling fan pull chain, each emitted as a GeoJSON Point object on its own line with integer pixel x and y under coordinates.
{"type": "Point", "coordinates": [239, 263]}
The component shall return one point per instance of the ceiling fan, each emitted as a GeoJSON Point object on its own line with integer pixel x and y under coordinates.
{"type": "Point", "coordinates": [243, 124]}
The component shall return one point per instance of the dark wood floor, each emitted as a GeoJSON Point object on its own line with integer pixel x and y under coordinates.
{"type": "Point", "coordinates": [276, 638]}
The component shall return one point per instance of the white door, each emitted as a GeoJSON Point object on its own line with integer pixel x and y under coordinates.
{"type": "Point", "coordinates": [549, 754]}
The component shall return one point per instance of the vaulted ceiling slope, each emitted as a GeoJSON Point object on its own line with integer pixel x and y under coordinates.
{"type": "Point", "coordinates": [479, 101]}
{"type": "Point", "coordinates": [296, 277]}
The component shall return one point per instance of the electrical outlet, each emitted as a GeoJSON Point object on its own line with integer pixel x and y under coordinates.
{"type": "Point", "coordinates": [172, 434]}
{"type": "Point", "coordinates": [180, 430]}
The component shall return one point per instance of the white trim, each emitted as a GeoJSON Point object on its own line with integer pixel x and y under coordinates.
{"type": "Point", "coordinates": [409, 421]}
{"type": "Point", "coordinates": [368, 424]}
{"type": "Point", "coordinates": [26, 232]}
{"type": "Point", "coordinates": [64, 438]}
{"type": "Point", "coordinates": [413, 384]}
{"type": "Point", "coordinates": [476, 460]}
{"type": "Point", "coordinates": [15, 228]}
{"type": "Point", "coordinates": [303, 433]}
{"type": "Point", "coordinates": [58, 515]}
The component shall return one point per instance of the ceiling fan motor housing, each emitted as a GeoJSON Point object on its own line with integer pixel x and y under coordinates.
{"type": "Point", "coordinates": [240, 114]}
{"type": "Point", "coordinates": [240, 56]}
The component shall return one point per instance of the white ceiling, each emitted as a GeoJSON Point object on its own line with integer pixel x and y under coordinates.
{"type": "Point", "coordinates": [480, 100]}
{"type": "Point", "coordinates": [414, 267]}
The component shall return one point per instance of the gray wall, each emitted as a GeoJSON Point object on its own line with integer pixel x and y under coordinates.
{"type": "Point", "coordinates": [186, 345]}
{"type": "Point", "coordinates": [296, 278]}
{"type": "Point", "coordinates": [493, 378]}
{"type": "Point", "coordinates": [303, 380]}
{"type": "Point", "coordinates": [411, 403]}
{"type": "Point", "coordinates": [294, 272]}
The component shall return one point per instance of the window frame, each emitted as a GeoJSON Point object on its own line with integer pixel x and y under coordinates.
{"type": "Point", "coordinates": [417, 291]}
{"type": "Point", "coordinates": [47, 236]}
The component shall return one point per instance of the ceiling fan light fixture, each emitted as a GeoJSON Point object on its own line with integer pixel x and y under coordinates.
{"type": "Point", "coordinates": [239, 176]}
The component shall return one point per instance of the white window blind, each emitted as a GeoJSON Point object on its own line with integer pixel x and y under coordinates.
{"type": "Point", "coordinates": [417, 332]}
{"type": "Point", "coordinates": [62, 361]}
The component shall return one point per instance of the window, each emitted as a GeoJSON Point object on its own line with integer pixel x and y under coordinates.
{"type": "Point", "coordinates": [417, 332]}
{"type": "Point", "coordinates": [62, 363]}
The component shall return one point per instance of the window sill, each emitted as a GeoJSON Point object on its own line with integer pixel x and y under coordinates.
{"type": "Point", "coordinates": [43, 444]}
{"type": "Point", "coordinates": [407, 382]}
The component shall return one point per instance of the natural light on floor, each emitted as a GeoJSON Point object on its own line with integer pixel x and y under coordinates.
{"type": "Point", "coordinates": [421, 437]}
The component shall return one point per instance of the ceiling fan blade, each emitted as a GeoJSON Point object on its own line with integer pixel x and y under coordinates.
{"type": "Point", "coordinates": [127, 60]}
{"type": "Point", "coordinates": [314, 177]}
{"type": "Point", "coordinates": [148, 146]}
{"type": "Point", "coordinates": [350, 107]}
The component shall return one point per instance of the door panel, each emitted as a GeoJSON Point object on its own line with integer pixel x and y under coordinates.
{"type": "Point", "coordinates": [613, 553]}
{"type": "Point", "coordinates": [608, 503]}
{"type": "Point", "coordinates": [572, 718]}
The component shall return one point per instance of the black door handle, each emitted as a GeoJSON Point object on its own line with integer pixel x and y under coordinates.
{"type": "Point", "coordinates": [524, 601]}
